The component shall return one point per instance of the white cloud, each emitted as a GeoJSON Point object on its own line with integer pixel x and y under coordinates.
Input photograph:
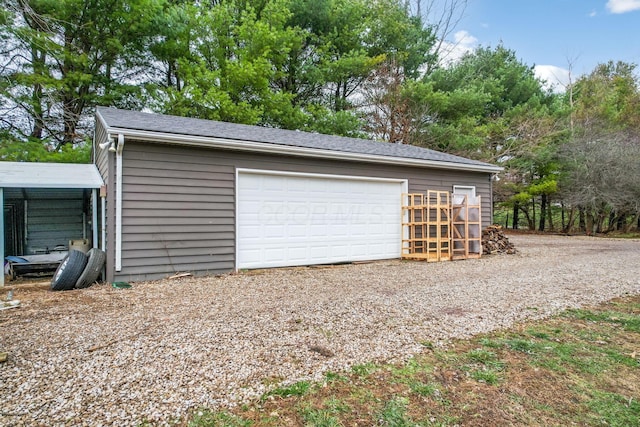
{"type": "Point", "coordinates": [462, 43]}
{"type": "Point", "coordinates": [593, 13]}
{"type": "Point", "coordinates": [623, 6]}
{"type": "Point", "coordinates": [556, 78]}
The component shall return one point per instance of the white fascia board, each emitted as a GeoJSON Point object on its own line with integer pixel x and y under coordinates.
{"type": "Point", "coordinates": [270, 148]}
{"type": "Point", "coordinates": [49, 175]}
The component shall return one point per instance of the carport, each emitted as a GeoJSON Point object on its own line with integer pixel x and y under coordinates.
{"type": "Point", "coordinates": [46, 204]}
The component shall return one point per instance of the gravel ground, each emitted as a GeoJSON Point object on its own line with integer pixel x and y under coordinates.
{"type": "Point", "coordinates": [104, 356]}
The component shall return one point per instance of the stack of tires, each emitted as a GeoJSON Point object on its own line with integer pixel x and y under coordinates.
{"type": "Point", "coordinates": [78, 270]}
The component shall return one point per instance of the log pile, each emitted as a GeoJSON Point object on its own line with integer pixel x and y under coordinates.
{"type": "Point", "coordinates": [494, 241]}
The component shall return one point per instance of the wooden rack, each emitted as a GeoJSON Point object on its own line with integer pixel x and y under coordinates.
{"type": "Point", "coordinates": [466, 227]}
{"type": "Point", "coordinates": [438, 226]}
{"type": "Point", "coordinates": [427, 226]}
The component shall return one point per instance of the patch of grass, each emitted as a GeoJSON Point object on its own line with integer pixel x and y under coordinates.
{"type": "Point", "coordinates": [489, 342]}
{"type": "Point", "coordinates": [538, 334]}
{"type": "Point", "coordinates": [427, 344]}
{"type": "Point", "coordinates": [336, 405]}
{"type": "Point", "coordinates": [485, 366]}
{"type": "Point", "coordinates": [333, 376]}
{"type": "Point", "coordinates": [327, 415]}
{"type": "Point", "coordinates": [296, 389]}
{"type": "Point", "coordinates": [425, 389]}
{"type": "Point", "coordinates": [364, 369]}
{"type": "Point", "coordinates": [394, 413]}
{"type": "Point", "coordinates": [314, 417]}
{"type": "Point", "coordinates": [628, 321]}
{"type": "Point", "coordinates": [621, 235]}
{"type": "Point", "coordinates": [522, 345]}
{"type": "Point", "coordinates": [486, 376]}
{"type": "Point", "coordinates": [622, 359]}
{"type": "Point", "coordinates": [207, 418]}
{"type": "Point", "coordinates": [407, 370]}
{"type": "Point", "coordinates": [581, 367]}
{"type": "Point", "coordinates": [480, 355]}
{"type": "Point", "coordinates": [613, 409]}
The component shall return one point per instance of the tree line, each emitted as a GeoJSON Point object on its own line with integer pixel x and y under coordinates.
{"type": "Point", "coordinates": [362, 68]}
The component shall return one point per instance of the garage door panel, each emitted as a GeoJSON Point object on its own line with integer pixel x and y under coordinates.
{"type": "Point", "coordinates": [297, 254]}
{"type": "Point", "coordinates": [274, 231]}
{"type": "Point", "coordinates": [340, 251]}
{"type": "Point", "coordinates": [296, 230]}
{"type": "Point", "coordinates": [301, 220]}
{"type": "Point", "coordinates": [319, 252]}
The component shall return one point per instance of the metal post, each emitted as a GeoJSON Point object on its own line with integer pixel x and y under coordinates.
{"type": "Point", "coordinates": [2, 234]}
{"type": "Point", "coordinates": [94, 217]}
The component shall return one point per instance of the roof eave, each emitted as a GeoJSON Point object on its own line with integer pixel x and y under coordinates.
{"type": "Point", "coordinates": [269, 148]}
{"type": "Point", "coordinates": [57, 186]}
{"type": "Point", "coordinates": [49, 175]}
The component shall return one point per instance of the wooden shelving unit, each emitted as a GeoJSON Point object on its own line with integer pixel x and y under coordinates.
{"type": "Point", "coordinates": [466, 227]}
{"type": "Point", "coordinates": [427, 226]}
{"type": "Point", "coordinates": [439, 226]}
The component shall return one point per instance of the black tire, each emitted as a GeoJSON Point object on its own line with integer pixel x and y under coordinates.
{"type": "Point", "coordinates": [96, 260]}
{"type": "Point", "coordinates": [68, 271]}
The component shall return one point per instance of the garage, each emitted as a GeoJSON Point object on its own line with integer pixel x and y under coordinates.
{"type": "Point", "coordinates": [290, 219]}
{"type": "Point", "coordinates": [202, 197]}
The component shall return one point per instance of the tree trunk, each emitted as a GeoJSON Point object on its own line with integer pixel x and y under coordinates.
{"type": "Point", "coordinates": [612, 222]}
{"type": "Point", "coordinates": [589, 223]}
{"type": "Point", "coordinates": [543, 211]}
{"type": "Point", "coordinates": [36, 96]}
{"type": "Point", "coordinates": [336, 101]}
{"type": "Point", "coordinates": [550, 214]}
{"type": "Point", "coordinates": [582, 223]}
{"type": "Point", "coordinates": [572, 216]}
{"type": "Point", "coordinates": [600, 222]}
{"type": "Point", "coordinates": [532, 224]}
{"type": "Point", "coordinates": [629, 225]}
{"type": "Point", "coordinates": [516, 210]}
{"type": "Point", "coordinates": [38, 63]}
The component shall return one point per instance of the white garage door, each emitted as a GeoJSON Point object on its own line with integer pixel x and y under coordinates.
{"type": "Point", "coordinates": [295, 219]}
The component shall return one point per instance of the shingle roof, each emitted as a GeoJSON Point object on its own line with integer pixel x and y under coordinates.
{"type": "Point", "coordinates": [49, 175]}
{"type": "Point", "coordinates": [135, 120]}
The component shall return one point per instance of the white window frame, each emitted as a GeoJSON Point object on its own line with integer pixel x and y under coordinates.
{"type": "Point", "coordinates": [465, 189]}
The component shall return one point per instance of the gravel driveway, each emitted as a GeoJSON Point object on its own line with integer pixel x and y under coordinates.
{"type": "Point", "coordinates": [103, 356]}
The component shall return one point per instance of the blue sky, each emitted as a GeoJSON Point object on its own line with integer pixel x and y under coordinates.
{"type": "Point", "coordinates": [551, 33]}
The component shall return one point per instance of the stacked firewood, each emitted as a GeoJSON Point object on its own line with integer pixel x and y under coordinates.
{"type": "Point", "coordinates": [494, 241]}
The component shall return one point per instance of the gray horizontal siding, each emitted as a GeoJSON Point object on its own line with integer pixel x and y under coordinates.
{"type": "Point", "coordinates": [150, 271]}
{"type": "Point", "coordinates": [214, 238]}
{"type": "Point", "coordinates": [177, 245]}
{"type": "Point", "coordinates": [219, 212]}
{"type": "Point", "coordinates": [181, 218]}
{"type": "Point", "coordinates": [179, 202]}
{"type": "Point", "coordinates": [177, 182]}
{"type": "Point", "coordinates": [178, 212]}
